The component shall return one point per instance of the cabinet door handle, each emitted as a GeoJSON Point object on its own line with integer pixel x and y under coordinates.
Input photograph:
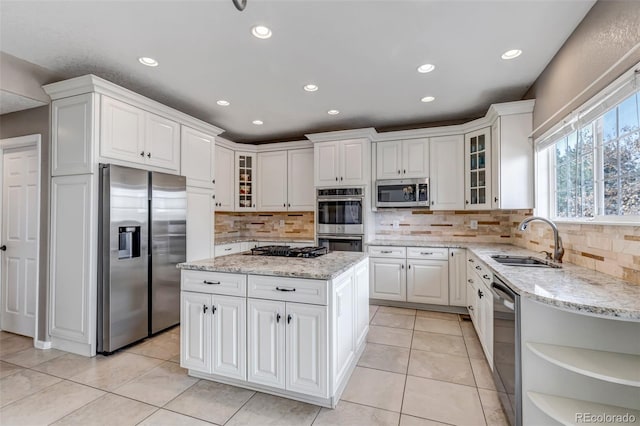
{"type": "Point", "coordinates": [211, 282]}
{"type": "Point", "coordinates": [471, 260]}
{"type": "Point", "coordinates": [409, 266]}
{"type": "Point", "coordinates": [404, 172]}
{"type": "Point", "coordinates": [288, 319]}
{"type": "Point", "coordinates": [480, 294]}
{"type": "Point", "coordinates": [278, 317]}
{"type": "Point", "coordinates": [466, 201]}
{"type": "Point", "coordinates": [213, 197]}
{"type": "Point", "coordinates": [470, 281]}
{"type": "Point", "coordinates": [433, 203]}
{"type": "Point", "coordinates": [495, 199]}
{"type": "Point", "coordinates": [213, 181]}
{"type": "Point", "coordinates": [213, 309]}
{"type": "Point", "coordinates": [336, 178]}
{"type": "Point", "coordinates": [340, 177]}
{"type": "Point", "coordinates": [402, 266]}
{"type": "Point", "coordinates": [148, 154]}
{"type": "Point", "coordinates": [284, 204]}
{"type": "Point", "coordinates": [486, 277]}
{"type": "Point", "coordinates": [470, 308]}
{"type": "Point", "coordinates": [398, 171]}
{"type": "Point", "coordinates": [285, 289]}
{"type": "Point", "coordinates": [141, 153]}
{"type": "Point", "coordinates": [478, 267]}
{"type": "Point", "coordinates": [254, 205]}
{"type": "Point", "coordinates": [204, 309]}
{"type": "Point", "coordinates": [288, 205]}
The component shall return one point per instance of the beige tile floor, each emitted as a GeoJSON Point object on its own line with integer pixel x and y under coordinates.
{"type": "Point", "coordinates": [418, 368]}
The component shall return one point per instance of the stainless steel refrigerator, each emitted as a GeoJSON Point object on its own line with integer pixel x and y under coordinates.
{"type": "Point", "coordinates": [142, 236]}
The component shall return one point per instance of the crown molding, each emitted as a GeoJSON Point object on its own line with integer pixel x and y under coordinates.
{"type": "Point", "coordinates": [90, 83]}
{"type": "Point", "coordinates": [368, 133]}
{"type": "Point", "coordinates": [279, 146]}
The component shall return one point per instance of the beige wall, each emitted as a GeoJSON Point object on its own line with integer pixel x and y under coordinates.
{"type": "Point", "coordinates": [606, 41]}
{"type": "Point", "coordinates": [29, 122]}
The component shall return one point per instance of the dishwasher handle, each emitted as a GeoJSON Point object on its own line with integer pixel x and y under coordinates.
{"type": "Point", "coordinates": [501, 288]}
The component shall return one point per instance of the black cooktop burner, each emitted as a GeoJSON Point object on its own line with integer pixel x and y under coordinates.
{"type": "Point", "coordinates": [287, 251]}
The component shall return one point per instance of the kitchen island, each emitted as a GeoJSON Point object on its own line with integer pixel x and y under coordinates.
{"type": "Point", "coordinates": [292, 327]}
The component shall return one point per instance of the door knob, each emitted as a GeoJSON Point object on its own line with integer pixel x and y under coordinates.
{"type": "Point", "coordinates": [3, 248]}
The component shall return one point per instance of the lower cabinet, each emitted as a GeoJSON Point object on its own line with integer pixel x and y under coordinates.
{"type": "Point", "coordinates": [213, 334]}
{"type": "Point", "coordinates": [287, 346]}
{"type": "Point", "coordinates": [388, 279]}
{"type": "Point", "coordinates": [480, 304]}
{"type": "Point", "coordinates": [428, 281]}
{"type": "Point", "coordinates": [458, 277]}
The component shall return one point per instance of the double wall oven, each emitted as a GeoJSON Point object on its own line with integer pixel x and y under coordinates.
{"type": "Point", "coordinates": [340, 218]}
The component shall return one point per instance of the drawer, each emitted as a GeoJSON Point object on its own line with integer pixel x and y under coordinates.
{"type": "Point", "coordinates": [435, 253]}
{"type": "Point", "coordinates": [387, 251]}
{"type": "Point", "coordinates": [479, 271]}
{"type": "Point", "coordinates": [288, 289]}
{"type": "Point", "coordinates": [226, 249]}
{"type": "Point", "coordinates": [214, 282]}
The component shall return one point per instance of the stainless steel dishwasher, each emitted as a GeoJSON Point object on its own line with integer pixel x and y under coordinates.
{"type": "Point", "coordinates": [506, 349]}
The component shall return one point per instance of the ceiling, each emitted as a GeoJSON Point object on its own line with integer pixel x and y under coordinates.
{"type": "Point", "coordinates": [363, 56]}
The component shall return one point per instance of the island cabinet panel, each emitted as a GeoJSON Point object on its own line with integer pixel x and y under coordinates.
{"type": "Point", "coordinates": [306, 349]}
{"type": "Point", "coordinates": [266, 342]}
{"type": "Point", "coordinates": [361, 302]}
{"type": "Point", "coordinates": [195, 336]}
{"type": "Point", "coordinates": [229, 336]}
{"type": "Point", "coordinates": [344, 348]}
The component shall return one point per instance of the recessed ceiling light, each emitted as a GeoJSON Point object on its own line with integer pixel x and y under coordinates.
{"type": "Point", "coordinates": [260, 31]}
{"type": "Point", "coordinates": [428, 99]}
{"type": "Point", "coordinates": [310, 87]}
{"type": "Point", "coordinates": [425, 68]}
{"type": "Point", "coordinates": [258, 122]}
{"type": "Point", "coordinates": [150, 62]}
{"type": "Point", "coordinates": [333, 112]}
{"type": "Point", "coordinates": [511, 54]}
{"type": "Point", "coordinates": [222, 102]}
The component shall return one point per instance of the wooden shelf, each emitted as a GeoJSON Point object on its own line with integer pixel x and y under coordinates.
{"type": "Point", "coordinates": [611, 367]}
{"type": "Point", "coordinates": [565, 410]}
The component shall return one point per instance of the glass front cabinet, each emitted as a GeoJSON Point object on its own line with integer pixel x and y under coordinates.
{"type": "Point", "coordinates": [245, 181]}
{"type": "Point", "coordinates": [477, 164]}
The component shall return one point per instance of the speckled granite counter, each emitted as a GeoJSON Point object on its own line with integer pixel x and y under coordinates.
{"type": "Point", "coordinates": [324, 267]}
{"type": "Point", "coordinates": [231, 240]}
{"type": "Point", "coordinates": [572, 287]}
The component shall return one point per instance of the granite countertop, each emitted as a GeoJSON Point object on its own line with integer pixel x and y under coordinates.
{"type": "Point", "coordinates": [571, 287]}
{"type": "Point", "coordinates": [324, 267]}
{"type": "Point", "coordinates": [231, 240]}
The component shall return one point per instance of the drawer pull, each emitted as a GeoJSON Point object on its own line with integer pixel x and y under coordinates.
{"type": "Point", "coordinates": [285, 289]}
{"type": "Point", "coordinates": [386, 251]}
{"type": "Point", "coordinates": [478, 267]}
{"type": "Point", "coordinates": [211, 282]}
{"type": "Point", "coordinates": [278, 317]}
{"type": "Point", "coordinates": [228, 249]}
{"type": "Point", "coordinates": [426, 253]}
{"type": "Point", "coordinates": [470, 281]}
{"type": "Point", "coordinates": [471, 260]}
{"type": "Point", "coordinates": [486, 277]}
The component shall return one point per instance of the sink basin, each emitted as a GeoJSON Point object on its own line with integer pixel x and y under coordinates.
{"type": "Point", "coordinates": [524, 261]}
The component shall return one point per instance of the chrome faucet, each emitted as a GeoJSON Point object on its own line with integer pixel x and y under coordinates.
{"type": "Point", "coordinates": [558, 250]}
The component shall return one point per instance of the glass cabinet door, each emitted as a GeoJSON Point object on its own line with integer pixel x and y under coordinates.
{"type": "Point", "coordinates": [245, 181]}
{"type": "Point", "coordinates": [478, 177]}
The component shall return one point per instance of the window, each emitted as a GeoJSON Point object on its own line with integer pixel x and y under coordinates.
{"type": "Point", "coordinates": [594, 168]}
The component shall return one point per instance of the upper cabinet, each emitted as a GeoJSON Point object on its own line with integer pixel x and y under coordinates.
{"type": "Point", "coordinates": [197, 158]}
{"type": "Point", "coordinates": [285, 180]}
{"type": "Point", "coordinates": [245, 181]}
{"type": "Point", "coordinates": [512, 162]}
{"type": "Point", "coordinates": [342, 163]}
{"type": "Point", "coordinates": [447, 177]}
{"type": "Point", "coordinates": [224, 183]}
{"type": "Point", "coordinates": [402, 159]}
{"type": "Point", "coordinates": [301, 194]}
{"type": "Point", "coordinates": [131, 134]}
{"type": "Point", "coordinates": [477, 167]}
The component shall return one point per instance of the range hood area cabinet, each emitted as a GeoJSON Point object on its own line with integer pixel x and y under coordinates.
{"type": "Point", "coordinates": [447, 176]}
{"type": "Point", "coordinates": [94, 121]}
{"type": "Point", "coordinates": [402, 159]}
{"type": "Point", "coordinates": [342, 162]}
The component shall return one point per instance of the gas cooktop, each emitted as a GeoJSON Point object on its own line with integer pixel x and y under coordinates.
{"type": "Point", "coordinates": [287, 251]}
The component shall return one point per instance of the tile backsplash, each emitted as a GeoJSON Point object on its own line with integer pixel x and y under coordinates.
{"type": "Point", "coordinates": [294, 225]}
{"type": "Point", "coordinates": [493, 226]}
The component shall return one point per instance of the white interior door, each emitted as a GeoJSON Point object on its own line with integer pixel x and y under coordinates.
{"type": "Point", "coordinates": [19, 240]}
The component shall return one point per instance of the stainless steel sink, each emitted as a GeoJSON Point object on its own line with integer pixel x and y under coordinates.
{"type": "Point", "coordinates": [524, 261]}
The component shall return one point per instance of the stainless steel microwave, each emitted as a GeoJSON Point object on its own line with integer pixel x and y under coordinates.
{"type": "Point", "coordinates": [402, 193]}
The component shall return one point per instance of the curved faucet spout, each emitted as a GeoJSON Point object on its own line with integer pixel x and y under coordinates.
{"type": "Point", "coordinates": [558, 250]}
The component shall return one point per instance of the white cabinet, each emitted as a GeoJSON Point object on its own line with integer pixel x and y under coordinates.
{"type": "Point", "coordinates": [213, 335]}
{"type": "Point", "coordinates": [197, 158]}
{"type": "Point", "coordinates": [245, 179]}
{"type": "Point", "coordinates": [512, 162]}
{"type": "Point", "coordinates": [266, 342]}
{"type": "Point", "coordinates": [272, 181]}
{"type": "Point", "coordinates": [200, 226]}
{"type": "Point", "coordinates": [447, 177]}
{"type": "Point", "coordinates": [480, 303]}
{"type": "Point", "coordinates": [73, 134]}
{"type": "Point", "coordinates": [457, 277]}
{"type": "Point", "coordinates": [388, 279]}
{"type": "Point", "coordinates": [361, 302]}
{"type": "Point", "coordinates": [224, 179]}
{"type": "Point", "coordinates": [472, 304]}
{"type": "Point", "coordinates": [477, 166]}
{"type": "Point", "coordinates": [130, 134]}
{"type": "Point", "coordinates": [341, 163]}
{"type": "Point", "coordinates": [301, 194]}
{"type": "Point", "coordinates": [287, 346]}
{"type": "Point", "coordinates": [231, 248]}
{"type": "Point", "coordinates": [428, 281]}
{"type": "Point", "coordinates": [344, 325]}
{"type": "Point", "coordinates": [403, 159]}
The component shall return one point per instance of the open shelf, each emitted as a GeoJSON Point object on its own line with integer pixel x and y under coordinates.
{"type": "Point", "coordinates": [565, 410]}
{"type": "Point", "coordinates": [612, 367]}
